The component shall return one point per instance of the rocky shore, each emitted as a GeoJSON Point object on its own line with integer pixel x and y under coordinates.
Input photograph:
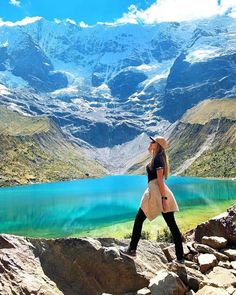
{"type": "Point", "coordinates": [89, 266]}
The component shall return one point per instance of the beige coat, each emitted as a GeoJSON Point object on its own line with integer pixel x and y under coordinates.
{"type": "Point", "coordinates": [151, 202]}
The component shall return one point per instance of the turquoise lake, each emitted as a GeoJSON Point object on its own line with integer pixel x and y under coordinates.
{"type": "Point", "coordinates": [63, 208]}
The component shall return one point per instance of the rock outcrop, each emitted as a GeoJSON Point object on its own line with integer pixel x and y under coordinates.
{"type": "Point", "coordinates": [223, 225]}
{"type": "Point", "coordinates": [74, 266]}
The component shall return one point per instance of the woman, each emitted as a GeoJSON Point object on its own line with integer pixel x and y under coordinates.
{"type": "Point", "coordinates": [157, 199]}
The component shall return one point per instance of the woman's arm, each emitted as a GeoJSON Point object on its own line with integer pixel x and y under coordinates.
{"type": "Point", "coordinates": [162, 188]}
{"type": "Point", "coordinates": [160, 181]}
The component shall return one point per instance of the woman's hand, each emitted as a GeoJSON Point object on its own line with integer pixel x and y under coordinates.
{"type": "Point", "coordinates": [164, 203]}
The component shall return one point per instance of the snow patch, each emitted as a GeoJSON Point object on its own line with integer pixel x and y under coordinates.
{"type": "Point", "coordinates": [202, 55]}
{"type": "Point", "coordinates": [14, 107]}
{"type": "Point", "coordinates": [4, 90]}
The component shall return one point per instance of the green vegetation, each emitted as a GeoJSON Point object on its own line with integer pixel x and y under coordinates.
{"type": "Point", "coordinates": [12, 123]}
{"type": "Point", "coordinates": [210, 109]}
{"type": "Point", "coordinates": [35, 150]}
{"type": "Point", "coordinates": [145, 235]}
{"type": "Point", "coordinates": [217, 163]}
{"type": "Point", "coordinates": [164, 235]}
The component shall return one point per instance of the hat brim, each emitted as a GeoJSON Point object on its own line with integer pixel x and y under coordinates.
{"type": "Point", "coordinates": [152, 138]}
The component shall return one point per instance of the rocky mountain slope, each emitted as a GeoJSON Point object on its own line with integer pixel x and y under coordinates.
{"type": "Point", "coordinates": [88, 266]}
{"type": "Point", "coordinates": [115, 80]}
{"type": "Point", "coordinates": [34, 149]}
{"type": "Point", "coordinates": [202, 142]}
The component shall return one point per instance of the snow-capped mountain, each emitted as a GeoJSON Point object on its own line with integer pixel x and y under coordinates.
{"type": "Point", "coordinates": [107, 84]}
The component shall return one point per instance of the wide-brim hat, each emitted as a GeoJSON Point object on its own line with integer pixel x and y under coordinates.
{"type": "Point", "coordinates": [161, 140]}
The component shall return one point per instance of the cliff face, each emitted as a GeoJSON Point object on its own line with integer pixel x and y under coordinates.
{"type": "Point", "coordinates": [202, 143]}
{"type": "Point", "coordinates": [89, 266]}
{"type": "Point", "coordinates": [34, 149]}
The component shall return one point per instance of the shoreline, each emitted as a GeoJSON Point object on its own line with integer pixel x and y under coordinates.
{"type": "Point", "coordinates": [107, 175]}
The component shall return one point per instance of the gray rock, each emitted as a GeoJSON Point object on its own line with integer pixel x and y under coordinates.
{"type": "Point", "coordinates": [222, 225]}
{"type": "Point", "coordinates": [208, 290]}
{"type": "Point", "coordinates": [75, 265]}
{"type": "Point", "coordinates": [231, 290]}
{"type": "Point", "coordinates": [21, 271]}
{"type": "Point", "coordinates": [203, 248]}
{"type": "Point", "coordinates": [221, 277]}
{"type": "Point", "coordinates": [214, 242]}
{"type": "Point", "coordinates": [206, 261]}
{"type": "Point", "coordinates": [189, 277]}
{"type": "Point", "coordinates": [233, 264]}
{"type": "Point", "coordinates": [207, 249]}
{"type": "Point", "coordinates": [221, 256]}
{"type": "Point", "coordinates": [144, 291]}
{"type": "Point", "coordinates": [225, 264]}
{"type": "Point", "coordinates": [167, 283]}
{"type": "Point", "coordinates": [170, 251]}
{"type": "Point", "coordinates": [231, 253]}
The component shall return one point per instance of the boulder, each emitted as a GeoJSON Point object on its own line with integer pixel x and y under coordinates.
{"type": "Point", "coordinates": [214, 242]}
{"type": "Point", "coordinates": [207, 249]}
{"type": "Point", "coordinates": [231, 253]}
{"type": "Point", "coordinates": [206, 261]}
{"type": "Point", "coordinates": [222, 225]}
{"type": "Point", "coordinates": [190, 277]}
{"type": "Point", "coordinates": [5, 243]}
{"type": "Point", "coordinates": [221, 256]}
{"type": "Point", "coordinates": [221, 277]}
{"type": "Point", "coordinates": [144, 291]}
{"type": "Point", "coordinates": [191, 264]}
{"type": "Point", "coordinates": [231, 290]}
{"type": "Point", "coordinates": [190, 246]}
{"type": "Point", "coordinates": [203, 248]}
{"type": "Point", "coordinates": [189, 257]}
{"type": "Point", "coordinates": [21, 271]}
{"type": "Point", "coordinates": [208, 290]}
{"type": "Point", "coordinates": [75, 266]}
{"type": "Point", "coordinates": [225, 264]}
{"type": "Point", "coordinates": [167, 283]}
{"type": "Point", "coordinates": [170, 251]}
{"type": "Point", "coordinates": [233, 264]}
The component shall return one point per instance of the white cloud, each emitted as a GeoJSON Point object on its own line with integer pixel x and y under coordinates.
{"type": "Point", "coordinates": [178, 10]}
{"type": "Point", "coordinates": [57, 21]}
{"type": "Point", "coordinates": [70, 21]}
{"type": "Point", "coordinates": [25, 21]}
{"type": "Point", "coordinates": [15, 2]}
{"type": "Point", "coordinates": [82, 24]}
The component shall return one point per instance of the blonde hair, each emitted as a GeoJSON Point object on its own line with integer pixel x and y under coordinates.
{"type": "Point", "coordinates": [165, 158]}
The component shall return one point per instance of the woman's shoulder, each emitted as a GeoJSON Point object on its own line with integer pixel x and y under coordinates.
{"type": "Point", "coordinates": [159, 159]}
{"type": "Point", "coordinates": [159, 155]}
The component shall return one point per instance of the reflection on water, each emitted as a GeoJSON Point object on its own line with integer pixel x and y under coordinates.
{"type": "Point", "coordinates": [65, 208]}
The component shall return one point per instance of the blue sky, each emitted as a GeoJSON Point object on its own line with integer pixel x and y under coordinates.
{"type": "Point", "coordinates": [116, 11]}
{"type": "Point", "coordinates": [89, 11]}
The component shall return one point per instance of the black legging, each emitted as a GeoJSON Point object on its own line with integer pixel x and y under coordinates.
{"type": "Point", "coordinates": [169, 219]}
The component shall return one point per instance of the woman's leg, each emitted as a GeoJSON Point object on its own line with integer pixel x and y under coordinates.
{"type": "Point", "coordinates": [137, 228]}
{"type": "Point", "coordinates": [170, 220]}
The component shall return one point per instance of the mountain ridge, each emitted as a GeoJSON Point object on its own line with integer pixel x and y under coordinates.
{"type": "Point", "coordinates": [116, 79]}
{"type": "Point", "coordinates": [30, 154]}
{"type": "Point", "coordinates": [199, 148]}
